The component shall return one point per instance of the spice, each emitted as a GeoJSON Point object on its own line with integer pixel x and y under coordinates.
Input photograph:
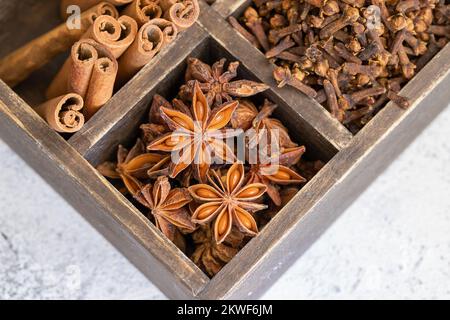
{"type": "Point", "coordinates": [211, 256]}
{"type": "Point", "coordinates": [167, 206]}
{"type": "Point", "coordinates": [63, 113]}
{"type": "Point", "coordinates": [272, 175]}
{"type": "Point", "coordinates": [343, 53]}
{"type": "Point", "coordinates": [216, 83]}
{"type": "Point", "coordinates": [18, 65]}
{"type": "Point", "coordinates": [133, 165]}
{"type": "Point", "coordinates": [106, 50]}
{"type": "Point", "coordinates": [147, 44]}
{"type": "Point", "coordinates": [182, 13]}
{"type": "Point", "coordinates": [263, 123]}
{"type": "Point", "coordinates": [228, 202]}
{"type": "Point", "coordinates": [90, 71]}
{"type": "Point", "coordinates": [115, 34]}
{"type": "Point", "coordinates": [196, 136]}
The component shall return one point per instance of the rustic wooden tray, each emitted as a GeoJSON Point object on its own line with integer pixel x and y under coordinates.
{"type": "Point", "coordinates": [68, 165]}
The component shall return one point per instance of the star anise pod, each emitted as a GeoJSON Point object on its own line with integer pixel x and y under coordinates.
{"type": "Point", "coordinates": [278, 174]}
{"type": "Point", "coordinates": [211, 256]}
{"type": "Point", "coordinates": [152, 131]}
{"type": "Point", "coordinates": [157, 126]}
{"type": "Point", "coordinates": [244, 115]}
{"type": "Point", "coordinates": [199, 138]}
{"type": "Point", "coordinates": [133, 166]}
{"type": "Point", "coordinates": [264, 125]}
{"type": "Point", "coordinates": [228, 202]}
{"type": "Point", "coordinates": [216, 83]}
{"type": "Point", "coordinates": [168, 207]}
{"type": "Point", "coordinates": [158, 102]}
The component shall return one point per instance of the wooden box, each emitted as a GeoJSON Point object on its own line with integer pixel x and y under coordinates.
{"type": "Point", "coordinates": [68, 165]}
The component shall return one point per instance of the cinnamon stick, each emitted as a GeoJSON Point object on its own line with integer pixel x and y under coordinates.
{"type": "Point", "coordinates": [116, 35]}
{"type": "Point", "coordinates": [168, 28]}
{"type": "Point", "coordinates": [143, 11]}
{"type": "Point", "coordinates": [76, 73]}
{"type": "Point", "coordinates": [147, 44]}
{"type": "Point", "coordinates": [182, 14]}
{"type": "Point", "coordinates": [18, 65]}
{"type": "Point", "coordinates": [101, 85]}
{"type": "Point", "coordinates": [63, 113]}
{"type": "Point", "coordinates": [86, 4]}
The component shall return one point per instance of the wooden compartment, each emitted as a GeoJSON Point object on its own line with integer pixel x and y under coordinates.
{"type": "Point", "coordinates": [22, 27]}
{"type": "Point", "coordinates": [352, 162]}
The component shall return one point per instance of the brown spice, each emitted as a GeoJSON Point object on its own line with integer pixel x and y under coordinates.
{"type": "Point", "coordinates": [363, 43]}
{"type": "Point", "coordinates": [133, 166]}
{"type": "Point", "coordinates": [227, 196]}
{"type": "Point", "coordinates": [228, 203]}
{"type": "Point", "coordinates": [185, 130]}
{"type": "Point", "coordinates": [216, 83]}
{"type": "Point", "coordinates": [168, 207]}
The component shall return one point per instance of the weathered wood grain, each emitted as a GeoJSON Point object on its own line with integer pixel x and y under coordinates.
{"type": "Point", "coordinates": [24, 20]}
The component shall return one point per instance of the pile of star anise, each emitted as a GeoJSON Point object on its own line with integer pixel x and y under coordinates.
{"type": "Point", "coordinates": [209, 210]}
{"type": "Point", "coordinates": [352, 56]}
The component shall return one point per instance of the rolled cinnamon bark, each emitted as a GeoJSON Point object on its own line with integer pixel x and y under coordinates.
{"type": "Point", "coordinates": [101, 86]}
{"type": "Point", "coordinates": [86, 4]}
{"type": "Point", "coordinates": [116, 35]}
{"type": "Point", "coordinates": [80, 64]}
{"type": "Point", "coordinates": [18, 65]}
{"type": "Point", "coordinates": [168, 28]}
{"type": "Point", "coordinates": [182, 13]}
{"type": "Point", "coordinates": [76, 73]}
{"type": "Point", "coordinates": [63, 113]}
{"type": "Point", "coordinates": [143, 11]}
{"type": "Point", "coordinates": [147, 44]}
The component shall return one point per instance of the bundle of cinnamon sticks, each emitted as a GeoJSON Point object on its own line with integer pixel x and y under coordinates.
{"type": "Point", "coordinates": [111, 42]}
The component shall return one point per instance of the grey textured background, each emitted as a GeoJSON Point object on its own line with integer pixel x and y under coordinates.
{"type": "Point", "coordinates": [393, 242]}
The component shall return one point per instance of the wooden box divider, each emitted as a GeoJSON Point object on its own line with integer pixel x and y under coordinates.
{"type": "Point", "coordinates": [352, 161]}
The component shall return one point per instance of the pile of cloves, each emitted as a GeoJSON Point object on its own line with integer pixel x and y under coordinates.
{"type": "Point", "coordinates": [352, 56]}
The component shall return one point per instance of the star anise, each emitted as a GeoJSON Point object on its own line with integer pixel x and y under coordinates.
{"type": "Point", "coordinates": [168, 207]}
{"type": "Point", "coordinates": [244, 115]}
{"type": "Point", "coordinates": [216, 83]}
{"type": "Point", "coordinates": [133, 166]}
{"type": "Point", "coordinates": [228, 202]}
{"type": "Point", "coordinates": [158, 102]}
{"type": "Point", "coordinates": [278, 174]}
{"type": "Point", "coordinates": [263, 124]}
{"type": "Point", "coordinates": [211, 256]}
{"type": "Point", "coordinates": [199, 138]}
{"type": "Point", "coordinates": [157, 126]}
{"type": "Point", "coordinates": [152, 131]}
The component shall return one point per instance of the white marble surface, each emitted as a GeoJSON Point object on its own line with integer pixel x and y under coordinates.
{"type": "Point", "coordinates": [393, 242]}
